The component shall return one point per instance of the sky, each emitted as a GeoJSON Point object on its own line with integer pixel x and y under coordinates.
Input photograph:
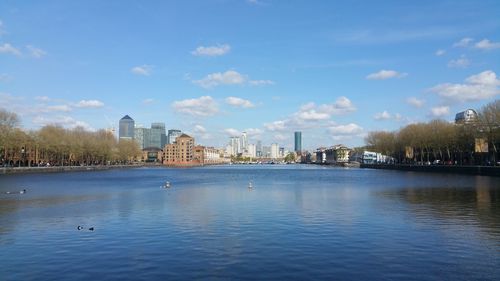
{"type": "Point", "coordinates": [334, 70]}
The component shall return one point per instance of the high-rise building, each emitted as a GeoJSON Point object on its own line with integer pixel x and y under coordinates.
{"type": "Point", "coordinates": [172, 135]}
{"type": "Point", "coordinates": [298, 142]}
{"type": "Point", "coordinates": [236, 145]}
{"type": "Point", "coordinates": [258, 149]}
{"type": "Point", "coordinates": [126, 128]}
{"type": "Point", "coordinates": [266, 151]}
{"type": "Point", "coordinates": [157, 133]}
{"type": "Point", "coordinates": [251, 151]}
{"type": "Point", "coordinates": [243, 142]}
{"type": "Point", "coordinates": [139, 133]}
{"type": "Point", "coordinates": [275, 151]}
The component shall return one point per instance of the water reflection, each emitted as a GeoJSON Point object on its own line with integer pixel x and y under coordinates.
{"type": "Point", "coordinates": [475, 204]}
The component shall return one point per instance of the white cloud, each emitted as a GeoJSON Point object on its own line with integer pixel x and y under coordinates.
{"type": "Point", "coordinates": [312, 115]}
{"type": "Point", "coordinates": [465, 42]}
{"type": "Point", "coordinates": [212, 51]}
{"type": "Point", "coordinates": [461, 62]}
{"type": "Point", "coordinates": [280, 137]}
{"type": "Point", "coordinates": [239, 102]}
{"type": "Point", "coordinates": [349, 129]}
{"type": "Point", "coordinates": [89, 104]}
{"type": "Point", "coordinates": [202, 106]}
{"type": "Point", "coordinates": [36, 52]}
{"type": "Point", "coordinates": [440, 52]}
{"type": "Point", "coordinates": [279, 125]}
{"type": "Point", "coordinates": [415, 102]}
{"type": "Point", "coordinates": [260, 82]}
{"type": "Point", "coordinates": [476, 87]}
{"type": "Point", "coordinates": [199, 129]}
{"type": "Point", "coordinates": [342, 105]}
{"type": "Point", "coordinates": [201, 132]}
{"type": "Point", "coordinates": [254, 132]}
{"type": "Point", "coordinates": [42, 98]}
{"type": "Point", "coordinates": [486, 44]}
{"type": "Point", "coordinates": [385, 74]}
{"type": "Point", "coordinates": [384, 115]}
{"type": "Point", "coordinates": [229, 77]}
{"type": "Point", "coordinates": [232, 132]}
{"type": "Point", "coordinates": [63, 121]}
{"type": "Point", "coordinates": [440, 111]}
{"type": "Point", "coordinates": [9, 49]}
{"type": "Point", "coordinates": [62, 107]}
{"type": "Point", "coordinates": [142, 70]}
{"type": "Point", "coordinates": [148, 101]}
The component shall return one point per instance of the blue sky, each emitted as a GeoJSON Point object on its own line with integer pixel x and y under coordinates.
{"type": "Point", "coordinates": [334, 70]}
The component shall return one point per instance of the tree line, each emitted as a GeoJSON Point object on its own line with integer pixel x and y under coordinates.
{"type": "Point", "coordinates": [56, 146]}
{"type": "Point", "coordinates": [437, 141]}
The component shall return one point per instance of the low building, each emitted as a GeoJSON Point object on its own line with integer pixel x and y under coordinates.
{"type": "Point", "coordinates": [320, 155]}
{"type": "Point", "coordinates": [179, 153]}
{"type": "Point", "coordinates": [466, 117]}
{"type": "Point", "coordinates": [203, 155]}
{"type": "Point", "coordinates": [152, 154]}
{"type": "Point", "coordinates": [337, 154]}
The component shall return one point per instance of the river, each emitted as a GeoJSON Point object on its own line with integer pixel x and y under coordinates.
{"type": "Point", "coordinates": [296, 222]}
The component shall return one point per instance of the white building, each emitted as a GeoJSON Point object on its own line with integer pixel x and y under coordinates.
{"type": "Point", "coordinates": [251, 151]}
{"type": "Point", "coordinates": [243, 142]}
{"type": "Point", "coordinates": [275, 151]}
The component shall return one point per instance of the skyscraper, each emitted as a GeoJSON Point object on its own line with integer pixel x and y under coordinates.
{"type": "Point", "coordinates": [172, 135]}
{"type": "Point", "coordinates": [157, 133]}
{"type": "Point", "coordinates": [243, 142]}
{"type": "Point", "coordinates": [275, 151]}
{"type": "Point", "coordinates": [298, 142]}
{"type": "Point", "coordinates": [126, 128]}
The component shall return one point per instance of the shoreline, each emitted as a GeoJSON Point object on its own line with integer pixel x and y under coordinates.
{"type": "Point", "coordinates": [63, 169]}
{"type": "Point", "coordinates": [491, 171]}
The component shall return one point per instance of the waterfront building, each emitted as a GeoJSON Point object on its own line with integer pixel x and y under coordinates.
{"type": "Point", "coordinates": [236, 146]}
{"type": "Point", "coordinates": [243, 142]}
{"type": "Point", "coordinates": [180, 152]}
{"type": "Point", "coordinates": [282, 152]}
{"type": "Point", "coordinates": [320, 155]}
{"type": "Point", "coordinates": [140, 135]}
{"type": "Point", "coordinates": [275, 153]}
{"type": "Point", "coordinates": [252, 151]}
{"type": "Point", "coordinates": [266, 152]}
{"type": "Point", "coordinates": [466, 117]}
{"type": "Point", "coordinates": [152, 154]}
{"type": "Point", "coordinates": [172, 135]}
{"type": "Point", "coordinates": [258, 149]}
{"type": "Point", "coordinates": [298, 142]}
{"type": "Point", "coordinates": [337, 154]}
{"type": "Point", "coordinates": [203, 155]}
{"type": "Point", "coordinates": [126, 128]}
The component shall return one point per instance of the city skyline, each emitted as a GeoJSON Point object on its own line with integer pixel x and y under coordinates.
{"type": "Point", "coordinates": [216, 69]}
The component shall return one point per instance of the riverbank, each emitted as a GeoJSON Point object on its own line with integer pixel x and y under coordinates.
{"type": "Point", "coordinates": [60, 169]}
{"type": "Point", "coordinates": [468, 170]}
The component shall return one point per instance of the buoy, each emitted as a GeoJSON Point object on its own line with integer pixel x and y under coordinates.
{"type": "Point", "coordinates": [250, 185]}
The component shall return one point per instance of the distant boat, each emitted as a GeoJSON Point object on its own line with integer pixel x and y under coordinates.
{"type": "Point", "coordinates": [16, 192]}
{"type": "Point", "coordinates": [250, 185]}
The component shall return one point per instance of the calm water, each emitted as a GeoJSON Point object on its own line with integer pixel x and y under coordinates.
{"type": "Point", "coordinates": [297, 223]}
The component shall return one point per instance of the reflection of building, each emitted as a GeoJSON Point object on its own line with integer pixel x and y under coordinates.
{"type": "Point", "coordinates": [126, 128]}
{"type": "Point", "coordinates": [298, 142]}
{"type": "Point", "coordinates": [180, 152]}
{"type": "Point", "coordinates": [467, 116]}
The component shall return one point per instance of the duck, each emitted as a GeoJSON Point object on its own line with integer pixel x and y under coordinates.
{"type": "Point", "coordinates": [91, 228]}
{"type": "Point", "coordinates": [79, 227]}
{"type": "Point", "coordinates": [166, 185]}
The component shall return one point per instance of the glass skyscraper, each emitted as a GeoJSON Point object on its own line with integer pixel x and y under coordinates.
{"type": "Point", "coordinates": [298, 142]}
{"type": "Point", "coordinates": [126, 128]}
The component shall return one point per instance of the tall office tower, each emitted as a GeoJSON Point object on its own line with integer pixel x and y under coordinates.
{"type": "Point", "coordinates": [157, 131]}
{"type": "Point", "coordinates": [258, 149]}
{"type": "Point", "coordinates": [251, 151]}
{"type": "Point", "coordinates": [172, 135]}
{"type": "Point", "coordinates": [266, 151]}
{"type": "Point", "coordinates": [236, 145]}
{"type": "Point", "coordinates": [244, 142]}
{"type": "Point", "coordinates": [275, 151]}
{"type": "Point", "coordinates": [126, 128]}
{"type": "Point", "coordinates": [298, 142]}
{"type": "Point", "coordinates": [139, 136]}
